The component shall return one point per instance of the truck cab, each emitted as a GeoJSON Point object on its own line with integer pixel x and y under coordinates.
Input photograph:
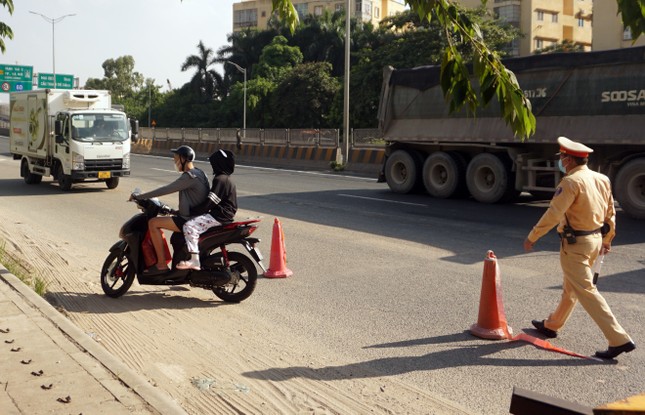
{"type": "Point", "coordinates": [72, 135]}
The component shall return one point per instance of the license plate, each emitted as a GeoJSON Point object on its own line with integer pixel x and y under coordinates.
{"type": "Point", "coordinates": [104, 175]}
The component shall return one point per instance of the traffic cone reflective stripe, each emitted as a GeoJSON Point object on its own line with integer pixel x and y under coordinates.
{"type": "Point", "coordinates": [278, 263]}
{"type": "Point", "coordinates": [491, 323]}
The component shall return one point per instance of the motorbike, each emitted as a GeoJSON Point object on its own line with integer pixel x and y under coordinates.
{"type": "Point", "coordinates": [231, 275]}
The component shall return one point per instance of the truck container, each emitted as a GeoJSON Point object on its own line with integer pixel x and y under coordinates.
{"type": "Point", "coordinates": [597, 98]}
{"type": "Point", "coordinates": [72, 135]}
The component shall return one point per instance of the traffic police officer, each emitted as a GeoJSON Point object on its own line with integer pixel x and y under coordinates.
{"type": "Point", "coordinates": [581, 205]}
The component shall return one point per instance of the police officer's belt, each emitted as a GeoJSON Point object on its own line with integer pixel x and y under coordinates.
{"type": "Point", "coordinates": [585, 233]}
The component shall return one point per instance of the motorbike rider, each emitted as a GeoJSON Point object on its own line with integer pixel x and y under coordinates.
{"type": "Point", "coordinates": [220, 206]}
{"type": "Point", "coordinates": [192, 186]}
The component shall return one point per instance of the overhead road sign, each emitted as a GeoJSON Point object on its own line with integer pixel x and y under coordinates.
{"type": "Point", "coordinates": [15, 78]}
{"type": "Point", "coordinates": [63, 81]}
{"type": "Point", "coordinates": [13, 86]}
{"type": "Point", "coordinates": [16, 73]}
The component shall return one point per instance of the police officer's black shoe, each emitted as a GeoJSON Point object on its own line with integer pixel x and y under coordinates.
{"type": "Point", "coordinates": [539, 325]}
{"type": "Point", "coordinates": [612, 352]}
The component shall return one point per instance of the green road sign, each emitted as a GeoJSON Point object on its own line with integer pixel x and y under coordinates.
{"type": "Point", "coordinates": [46, 80]}
{"type": "Point", "coordinates": [13, 86]}
{"type": "Point", "coordinates": [15, 73]}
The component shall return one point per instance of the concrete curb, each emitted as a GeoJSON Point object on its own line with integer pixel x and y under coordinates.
{"type": "Point", "coordinates": [156, 398]}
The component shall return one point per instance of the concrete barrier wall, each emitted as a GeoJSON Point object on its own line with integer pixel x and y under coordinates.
{"type": "Point", "coordinates": [361, 160]}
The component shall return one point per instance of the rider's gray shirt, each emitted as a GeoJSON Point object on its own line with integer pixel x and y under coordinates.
{"type": "Point", "coordinates": [193, 190]}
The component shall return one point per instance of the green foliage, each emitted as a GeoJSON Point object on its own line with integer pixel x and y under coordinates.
{"type": "Point", "coordinates": [205, 81]}
{"type": "Point", "coordinates": [277, 58]}
{"type": "Point", "coordinates": [304, 97]}
{"type": "Point", "coordinates": [5, 30]}
{"type": "Point", "coordinates": [119, 77]}
{"type": "Point", "coordinates": [633, 13]}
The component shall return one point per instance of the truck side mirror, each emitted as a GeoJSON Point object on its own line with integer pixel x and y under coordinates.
{"type": "Point", "coordinates": [134, 126]}
{"type": "Point", "coordinates": [58, 132]}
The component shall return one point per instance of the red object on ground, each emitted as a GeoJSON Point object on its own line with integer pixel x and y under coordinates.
{"type": "Point", "coordinates": [278, 264]}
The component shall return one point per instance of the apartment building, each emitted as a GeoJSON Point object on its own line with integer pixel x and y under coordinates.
{"type": "Point", "coordinates": [256, 13]}
{"type": "Point", "coordinates": [544, 22]}
{"type": "Point", "coordinates": [608, 29]}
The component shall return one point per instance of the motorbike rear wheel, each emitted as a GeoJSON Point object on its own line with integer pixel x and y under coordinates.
{"type": "Point", "coordinates": [117, 274]}
{"type": "Point", "coordinates": [248, 278]}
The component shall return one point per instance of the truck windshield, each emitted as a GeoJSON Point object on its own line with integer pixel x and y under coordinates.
{"type": "Point", "coordinates": [99, 127]}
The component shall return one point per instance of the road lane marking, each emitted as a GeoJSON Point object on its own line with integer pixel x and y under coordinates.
{"type": "Point", "coordinates": [382, 200]}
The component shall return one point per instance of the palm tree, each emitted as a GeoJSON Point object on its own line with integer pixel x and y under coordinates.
{"type": "Point", "coordinates": [205, 81]}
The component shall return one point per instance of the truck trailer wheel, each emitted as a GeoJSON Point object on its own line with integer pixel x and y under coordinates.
{"type": "Point", "coordinates": [488, 179]}
{"type": "Point", "coordinates": [630, 188]}
{"type": "Point", "coordinates": [30, 178]}
{"type": "Point", "coordinates": [112, 182]}
{"type": "Point", "coordinates": [401, 171]}
{"type": "Point", "coordinates": [64, 180]}
{"type": "Point", "coordinates": [443, 174]}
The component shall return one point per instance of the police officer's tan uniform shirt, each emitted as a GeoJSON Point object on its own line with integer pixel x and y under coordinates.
{"type": "Point", "coordinates": [585, 196]}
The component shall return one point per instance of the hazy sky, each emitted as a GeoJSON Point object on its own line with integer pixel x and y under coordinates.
{"type": "Point", "coordinates": [158, 34]}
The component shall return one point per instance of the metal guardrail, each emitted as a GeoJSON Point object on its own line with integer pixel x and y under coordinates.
{"type": "Point", "coordinates": [311, 137]}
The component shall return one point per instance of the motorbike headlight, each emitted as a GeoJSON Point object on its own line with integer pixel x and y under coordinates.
{"type": "Point", "coordinates": [126, 161]}
{"type": "Point", "coordinates": [78, 162]}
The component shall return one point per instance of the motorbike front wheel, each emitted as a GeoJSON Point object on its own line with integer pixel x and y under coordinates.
{"type": "Point", "coordinates": [245, 268]}
{"type": "Point", "coordinates": [117, 274]}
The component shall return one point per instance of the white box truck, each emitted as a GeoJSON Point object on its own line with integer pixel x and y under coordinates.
{"type": "Point", "coordinates": [72, 135]}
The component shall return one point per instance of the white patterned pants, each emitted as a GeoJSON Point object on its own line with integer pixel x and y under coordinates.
{"type": "Point", "coordinates": [195, 227]}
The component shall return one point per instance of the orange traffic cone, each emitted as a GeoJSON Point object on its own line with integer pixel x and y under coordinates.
{"type": "Point", "coordinates": [278, 265]}
{"type": "Point", "coordinates": [491, 323]}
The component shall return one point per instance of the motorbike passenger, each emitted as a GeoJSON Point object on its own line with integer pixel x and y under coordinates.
{"type": "Point", "coordinates": [192, 186]}
{"type": "Point", "coordinates": [219, 208]}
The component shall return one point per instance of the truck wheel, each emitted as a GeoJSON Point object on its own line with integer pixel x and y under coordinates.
{"type": "Point", "coordinates": [630, 188]}
{"type": "Point", "coordinates": [401, 171]}
{"type": "Point", "coordinates": [30, 178]}
{"type": "Point", "coordinates": [64, 180]}
{"type": "Point", "coordinates": [112, 182]}
{"type": "Point", "coordinates": [488, 179]}
{"type": "Point", "coordinates": [443, 174]}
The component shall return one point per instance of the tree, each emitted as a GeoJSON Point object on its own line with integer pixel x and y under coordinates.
{"type": "Point", "coordinates": [277, 58]}
{"type": "Point", "coordinates": [205, 80]}
{"type": "Point", "coordinates": [5, 30]}
{"type": "Point", "coordinates": [420, 43]}
{"type": "Point", "coordinates": [486, 66]}
{"type": "Point", "coordinates": [119, 77]}
{"type": "Point", "coordinates": [304, 97]}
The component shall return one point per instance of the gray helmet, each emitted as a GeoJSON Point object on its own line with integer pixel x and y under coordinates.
{"type": "Point", "coordinates": [185, 151]}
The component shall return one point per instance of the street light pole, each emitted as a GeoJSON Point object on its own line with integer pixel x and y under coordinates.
{"type": "Point", "coordinates": [53, 22]}
{"type": "Point", "coordinates": [348, 14]}
{"type": "Point", "coordinates": [243, 70]}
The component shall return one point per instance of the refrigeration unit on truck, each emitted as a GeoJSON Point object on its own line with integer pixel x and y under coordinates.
{"type": "Point", "coordinates": [72, 135]}
{"type": "Point", "coordinates": [597, 98]}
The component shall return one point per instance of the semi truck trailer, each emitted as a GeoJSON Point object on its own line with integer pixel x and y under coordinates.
{"type": "Point", "coordinates": [597, 98]}
{"type": "Point", "coordinates": [73, 135]}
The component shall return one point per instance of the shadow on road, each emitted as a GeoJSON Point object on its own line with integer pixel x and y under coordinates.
{"type": "Point", "coordinates": [457, 356]}
{"type": "Point", "coordinates": [131, 301]}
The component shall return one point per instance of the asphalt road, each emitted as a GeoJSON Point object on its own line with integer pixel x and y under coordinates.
{"type": "Point", "coordinates": [390, 284]}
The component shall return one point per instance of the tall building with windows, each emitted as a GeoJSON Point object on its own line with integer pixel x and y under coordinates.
{"type": "Point", "coordinates": [608, 29]}
{"type": "Point", "coordinates": [544, 22]}
{"type": "Point", "coordinates": [256, 13]}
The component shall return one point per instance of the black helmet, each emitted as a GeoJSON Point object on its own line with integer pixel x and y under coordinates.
{"type": "Point", "coordinates": [185, 151]}
{"type": "Point", "coordinates": [223, 162]}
